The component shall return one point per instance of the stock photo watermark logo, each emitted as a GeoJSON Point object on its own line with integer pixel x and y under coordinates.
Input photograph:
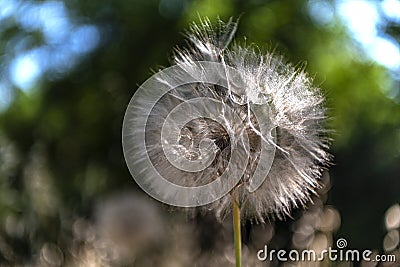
{"type": "Point", "coordinates": [340, 253]}
{"type": "Point", "coordinates": [170, 92]}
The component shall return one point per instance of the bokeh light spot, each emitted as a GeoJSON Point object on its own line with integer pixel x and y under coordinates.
{"type": "Point", "coordinates": [391, 240]}
{"type": "Point", "coordinates": [363, 20]}
{"type": "Point", "coordinates": [391, 8]}
{"type": "Point", "coordinates": [392, 218]}
{"type": "Point", "coordinates": [7, 8]}
{"type": "Point", "coordinates": [24, 71]}
{"type": "Point", "coordinates": [321, 12]}
{"type": "Point", "coordinates": [84, 39]}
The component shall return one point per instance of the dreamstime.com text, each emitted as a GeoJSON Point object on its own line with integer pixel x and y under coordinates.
{"type": "Point", "coordinates": [338, 254]}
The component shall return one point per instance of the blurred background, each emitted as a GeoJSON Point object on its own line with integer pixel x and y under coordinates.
{"type": "Point", "coordinates": [67, 72]}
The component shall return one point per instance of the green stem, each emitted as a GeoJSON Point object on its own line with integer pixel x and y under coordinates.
{"type": "Point", "coordinates": [236, 230]}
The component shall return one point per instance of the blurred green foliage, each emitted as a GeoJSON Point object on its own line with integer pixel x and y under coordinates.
{"type": "Point", "coordinates": [60, 142]}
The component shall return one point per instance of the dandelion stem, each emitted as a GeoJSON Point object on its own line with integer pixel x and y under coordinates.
{"type": "Point", "coordinates": [236, 230]}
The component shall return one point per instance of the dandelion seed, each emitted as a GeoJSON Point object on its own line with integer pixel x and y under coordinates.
{"type": "Point", "coordinates": [262, 123]}
{"type": "Point", "coordinates": [295, 119]}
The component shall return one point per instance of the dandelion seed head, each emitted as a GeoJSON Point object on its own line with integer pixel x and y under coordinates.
{"type": "Point", "coordinates": [289, 119]}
